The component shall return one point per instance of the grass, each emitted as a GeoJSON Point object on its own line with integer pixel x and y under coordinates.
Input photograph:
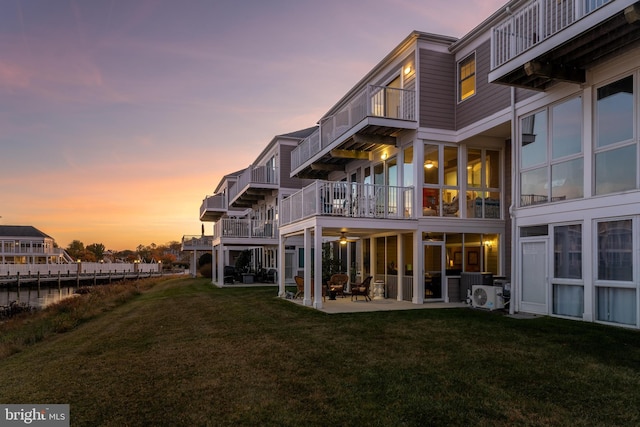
{"type": "Point", "coordinates": [184, 353]}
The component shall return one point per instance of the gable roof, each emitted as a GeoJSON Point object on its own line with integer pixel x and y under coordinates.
{"type": "Point", "coordinates": [22, 231]}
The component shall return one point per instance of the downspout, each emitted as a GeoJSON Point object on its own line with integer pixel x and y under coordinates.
{"type": "Point", "coordinates": [513, 250]}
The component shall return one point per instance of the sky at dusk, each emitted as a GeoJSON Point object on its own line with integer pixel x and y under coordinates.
{"type": "Point", "coordinates": [117, 117]}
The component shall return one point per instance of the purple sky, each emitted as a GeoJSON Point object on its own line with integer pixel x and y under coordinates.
{"type": "Point", "coordinates": [118, 117]}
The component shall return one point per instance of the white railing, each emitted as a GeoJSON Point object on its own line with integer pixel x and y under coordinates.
{"type": "Point", "coordinates": [534, 22]}
{"type": "Point", "coordinates": [330, 198]}
{"type": "Point", "coordinates": [31, 270]}
{"type": "Point", "coordinates": [245, 228]}
{"type": "Point", "coordinates": [196, 242]}
{"type": "Point", "coordinates": [217, 202]}
{"type": "Point", "coordinates": [373, 101]}
{"type": "Point", "coordinates": [254, 175]}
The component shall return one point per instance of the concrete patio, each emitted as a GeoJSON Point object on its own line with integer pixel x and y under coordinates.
{"type": "Point", "coordinates": [346, 305]}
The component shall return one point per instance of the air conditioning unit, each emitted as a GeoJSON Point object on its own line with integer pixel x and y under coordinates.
{"type": "Point", "coordinates": [487, 297]}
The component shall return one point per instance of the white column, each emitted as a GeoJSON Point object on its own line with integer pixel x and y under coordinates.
{"type": "Point", "coordinates": [221, 264]}
{"type": "Point", "coordinates": [317, 272]}
{"type": "Point", "coordinates": [418, 268]}
{"type": "Point", "coordinates": [401, 265]}
{"type": "Point", "coordinates": [281, 267]}
{"type": "Point", "coordinates": [194, 264]}
{"type": "Point", "coordinates": [307, 267]}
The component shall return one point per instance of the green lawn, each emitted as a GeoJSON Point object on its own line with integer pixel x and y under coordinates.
{"type": "Point", "coordinates": [184, 353]}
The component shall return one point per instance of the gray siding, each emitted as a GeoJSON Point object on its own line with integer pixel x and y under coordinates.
{"type": "Point", "coordinates": [437, 84]}
{"type": "Point", "coordinates": [489, 98]}
{"type": "Point", "coordinates": [285, 169]}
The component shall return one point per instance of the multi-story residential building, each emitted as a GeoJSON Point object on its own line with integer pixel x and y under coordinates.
{"type": "Point", "coordinates": [244, 209]}
{"type": "Point", "coordinates": [24, 244]}
{"type": "Point", "coordinates": [513, 150]}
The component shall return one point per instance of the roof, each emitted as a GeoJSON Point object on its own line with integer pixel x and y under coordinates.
{"type": "Point", "coordinates": [22, 231]}
{"type": "Point", "coordinates": [300, 134]}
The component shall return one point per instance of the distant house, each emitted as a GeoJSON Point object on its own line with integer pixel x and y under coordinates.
{"type": "Point", "coordinates": [24, 244]}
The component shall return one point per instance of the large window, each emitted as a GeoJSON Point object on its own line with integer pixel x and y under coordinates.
{"type": "Point", "coordinates": [615, 302]}
{"type": "Point", "coordinates": [551, 154]}
{"type": "Point", "coordinates": [568, 289]}
{"type": "Point", "coordinates": [615, 250]}
{"type": "Point", "coordinates": [483, 183]}
{"type": "Point", "coordinates": [467, 77]}
{"type": "Point", "coordinates": [615, 146]}
{"type": "Point", "coordinates": [440, 184]}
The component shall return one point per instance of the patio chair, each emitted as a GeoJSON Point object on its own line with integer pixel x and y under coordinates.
{"type": "Point", "coordinates": [362, 289]}
{"type": "Point", "coordinates": [300, 288]}
{"type": "Point", "coordinates": [337, 283]}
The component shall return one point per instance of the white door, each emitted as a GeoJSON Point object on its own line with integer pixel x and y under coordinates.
{"type": "Point", "coordinates": [534, 276]}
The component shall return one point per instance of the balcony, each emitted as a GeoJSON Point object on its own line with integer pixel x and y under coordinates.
{"type": "Point", "coordinates": [546, 41]}
{"type": "Point", "coordinates": [197, 243]}
{"type": "Point", "coordinates": [253, 185]}
{"type": "Point", "coordinates": [213, 207]}
{"type": "Point", "coordinates": [350, 200]}
{"type": "Point", "coordinates": [245, 229]}
{"type": "Point", "coordinates": [371, 118]}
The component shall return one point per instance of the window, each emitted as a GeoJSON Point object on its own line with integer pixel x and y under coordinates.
{"type": "Point", "coordinates": [467, 77]}
{"type": "Point", "coordinates": [551, 155]}
{"type": "Point", "coordinates": [483, 183]}
{"type": "Point", "coordinates": [615, 147]}
{"type": "Point", "coordinates": [440, 189]}
{"type": "Point", "coordinates": [615, 250]}
{"type": "Point", "coordinates": [567, 252]}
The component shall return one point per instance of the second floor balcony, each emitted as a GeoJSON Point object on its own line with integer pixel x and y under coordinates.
{"type": "Point", "coordinates": [252, 185]}
{"type": "Point", "coordinates": [351, 200]}
{"type": "Point", "coordinates": [245, 228]}
{"type": "Point", "coordinates": [545, 41]}
{"type": "Point", "coordinates": [368, 119]}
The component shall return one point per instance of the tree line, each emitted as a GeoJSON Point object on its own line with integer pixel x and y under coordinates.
{"type": "Point", "coordinates": [168, 253]}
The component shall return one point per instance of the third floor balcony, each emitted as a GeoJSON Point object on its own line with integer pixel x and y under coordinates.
{"type": "Point", "coordinates": [370, 118]}
{"type": "Point", "coordinates": [213, 207]}
{"type": "Point", "coordinates": [252, 185]}
{"type": "Point", "coordinates": [544, 41]}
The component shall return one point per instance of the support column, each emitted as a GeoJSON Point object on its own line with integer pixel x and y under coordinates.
{"type": "Point", "coordinates": [221, 263]}
{"type": "Point", "coordinates": [307, 267]}
{"type": "Point", "coordinates": [317, 276]}
{"type": "Point", "coordinates": [401, 265]}
{"type": "Point", "coordinates": [281, 267]}
{"type": "Point", "coordinates": [418, 268]}
{"type": "Point", "coordinates": [194, 264]}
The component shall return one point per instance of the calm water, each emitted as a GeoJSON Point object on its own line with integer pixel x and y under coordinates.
{"type": "Point", "coordinates": [30, 295]}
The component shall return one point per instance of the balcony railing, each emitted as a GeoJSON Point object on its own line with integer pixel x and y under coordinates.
{"type": "Point", "coordinates": [329, 198]}
{"type": "Point", "coordinates": [245, 228]}
{"type": "Point", "coordinates": [217, 202]}
{"type": "Point", "coordinates": [373, 101]}
{"type": "Point", "coordinates": [251, 176]}
{"type": "Point", "coordinates": [196, 242]}
{"type": "Point", "coordinates": [533, 23]}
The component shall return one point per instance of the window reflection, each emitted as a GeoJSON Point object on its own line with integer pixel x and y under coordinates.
{"type": "Point", "coordinates": [614, 117]}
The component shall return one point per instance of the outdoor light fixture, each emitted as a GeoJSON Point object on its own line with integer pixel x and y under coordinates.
{"type": "Point", "coordinates": [384, 156]}
{"type": "Point", "coordinates": [407, 69]}
{"type": "Point", "coordinates": [343, 239]}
